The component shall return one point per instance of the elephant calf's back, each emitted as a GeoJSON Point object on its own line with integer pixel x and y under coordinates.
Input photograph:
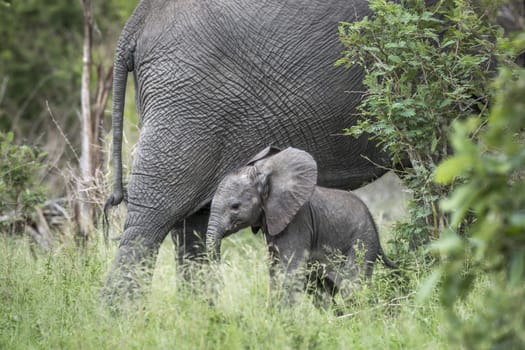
{"type": "Point", "coordinates": [343, 220]}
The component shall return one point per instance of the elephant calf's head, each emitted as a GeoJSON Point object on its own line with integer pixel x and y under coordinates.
{"type": "Point", "coordinates": [267, 193]}
{"type": "Point", "coordinates": [238, 201]}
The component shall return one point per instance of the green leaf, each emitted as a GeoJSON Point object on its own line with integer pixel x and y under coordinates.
{"type": "Point", "coordinates": [428, 286]}
{"type": "Point", "coordinates": [517, 268]}
{"type": "Point", "coordinates": [394, 58]}
{"type": "Point", "coordinates": [409, 112]}
{"type": "Point", "coordinates": [460, 202]}
{"type": "Point", "coordinates": [434, 144]}
{"type": "Point", "coordinates": [452, 167]}
{"type": "Point", "coordinates": [448, 43]}
{"type": "Point", "coordinates": [448, 243]}
{"type": "Point", "coordinates": [445, 102]}
{"type": "Point", "coordinates": [517, 223]}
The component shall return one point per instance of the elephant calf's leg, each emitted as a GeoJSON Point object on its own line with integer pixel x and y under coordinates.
{"type": "Point", "coordinates": [322, 285]}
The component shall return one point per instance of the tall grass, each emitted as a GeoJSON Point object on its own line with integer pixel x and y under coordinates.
{"type": "Point", "coordinates": [53, 302]}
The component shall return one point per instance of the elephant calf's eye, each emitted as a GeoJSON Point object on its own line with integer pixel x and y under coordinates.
{"type": "Point", "coordinates": [235, 206]}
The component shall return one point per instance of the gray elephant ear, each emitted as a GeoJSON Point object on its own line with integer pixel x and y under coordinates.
{"type": "Point", "coordinates": [265, 153]}
{"type": "Point", "coordinates": [290, 177]}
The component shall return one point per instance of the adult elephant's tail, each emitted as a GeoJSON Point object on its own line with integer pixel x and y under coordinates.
{"type": "Point", "coordinates": [122, 65]}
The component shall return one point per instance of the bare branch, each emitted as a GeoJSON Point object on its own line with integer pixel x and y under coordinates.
{"type": "Point", "coordinates": [392, 302]}
{"type": "Point", "coordinates": [62, 131]}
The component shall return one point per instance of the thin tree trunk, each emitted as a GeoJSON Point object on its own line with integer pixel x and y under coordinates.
{"type": "Point", "coordinates": [104, 84]}
{"type": "Point", "coordinates": [84, 212]}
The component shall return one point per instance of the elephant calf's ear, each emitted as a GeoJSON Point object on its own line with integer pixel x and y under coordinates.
{"type": "Point", "coordinates": [265, 153]}
{"type": "Point", "coordinates": [291, 175]}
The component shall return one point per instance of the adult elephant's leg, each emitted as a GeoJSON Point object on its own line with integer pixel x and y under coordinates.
{"type": "Point", "coordinates": [144, 231]}
{"type": "Point", "coordinates": [159, 195]}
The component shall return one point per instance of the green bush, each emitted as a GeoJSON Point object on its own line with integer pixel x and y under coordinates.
{"type": "Point", "coordinates": [424, 68]}
{"type": "Point", "coordinates": [20, 190]}
{"type": "Point", "coordinates": [428, 71]}
{"type": "Point", "coordinates": [492, 172]}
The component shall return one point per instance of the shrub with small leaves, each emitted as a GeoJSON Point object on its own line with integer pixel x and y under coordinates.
{"type": "Point", "coordinates": [20, 190]}
{"type": "Point", "coordinates": [424, 68]}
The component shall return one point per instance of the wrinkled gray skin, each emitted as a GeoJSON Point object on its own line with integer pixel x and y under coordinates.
{"type": "Point", "coordinates": [215, 82]}
{"type": "Point", "coordinates": [303, 224]}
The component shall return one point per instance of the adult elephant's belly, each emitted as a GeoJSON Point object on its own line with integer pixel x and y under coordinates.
{"type": "Point", "coordinates": [343, 161]}
{"type": "Point", "coordinates": [228, 126]}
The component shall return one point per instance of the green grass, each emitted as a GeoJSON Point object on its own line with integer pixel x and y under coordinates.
{"type": "Point", "coordinates": [53, 302]}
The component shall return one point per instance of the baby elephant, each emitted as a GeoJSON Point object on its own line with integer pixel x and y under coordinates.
{"type": "Point", "coordinates": [302, 223]}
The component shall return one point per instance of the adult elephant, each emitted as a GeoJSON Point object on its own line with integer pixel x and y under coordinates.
{"type": "Point", "coordinates": [216, 81]}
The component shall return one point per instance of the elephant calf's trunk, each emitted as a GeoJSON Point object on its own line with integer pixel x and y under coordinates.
{"type": "Point", "coordinates": [213, 245]}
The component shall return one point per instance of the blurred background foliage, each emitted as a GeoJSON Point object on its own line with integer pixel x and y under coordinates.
{"type": "Point", "coordinates": [41, 60]}
{"type": "Point", "coordinates": [19, 189]}
{"type": "Point", "coordinates": [491, 171]}
{"type": "Point", "coordinates": [40, 78]}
